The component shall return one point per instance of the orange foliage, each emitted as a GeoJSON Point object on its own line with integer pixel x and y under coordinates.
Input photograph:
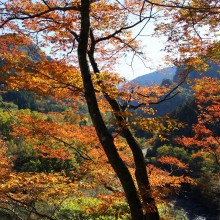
{"type": "Point", "coordinates": [172, 161]}
{"type": "Point", "coordinates": [23, 188]}
{"type": "Point", "coordinates": [206, 138]}
{"type": "Point", "coordinates": [164, 183]}
{"type": "Point", "coordinates": [56, 26]}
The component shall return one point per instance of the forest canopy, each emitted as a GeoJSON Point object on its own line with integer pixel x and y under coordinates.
{"type": "Point", "coordinates": [73, 130]}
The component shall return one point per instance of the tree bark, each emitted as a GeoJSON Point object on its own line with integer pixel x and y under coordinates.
{"type": "Point", "coordinates": [105, 137]}
{"type": "Point", "coordinates": [141, 175]}
{"type": "Point", "coordinates": [148, 202]}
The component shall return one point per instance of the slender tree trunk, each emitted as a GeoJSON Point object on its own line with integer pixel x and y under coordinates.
{"type": "Point", "coordinates": [148, 202]}
{"type": "Point", "coordinates": [105, 138]}
{"type": "Point", "coordinates": [141, 176]}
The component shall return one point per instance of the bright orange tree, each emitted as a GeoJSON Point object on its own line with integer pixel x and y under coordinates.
{"type": "Point", "coordinates": [206, 139]}
{"type": "Point", "coordinates": [25, 189]}
{"type": "Point", "coordinates": [85, 35]}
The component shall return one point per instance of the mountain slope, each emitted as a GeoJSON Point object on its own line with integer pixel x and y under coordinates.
{"type": "Point", "coordinates": [170, 76]}
{"type": "Point", "coordinates": [156, 77]}
{"type": "Point", "coordinates": [213, 72]}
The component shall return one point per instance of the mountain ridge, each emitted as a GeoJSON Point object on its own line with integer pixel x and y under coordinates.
{"type": "Point", "coordinates": [161, 77]}
{"type": "Point", "coordinates": [156, 77]}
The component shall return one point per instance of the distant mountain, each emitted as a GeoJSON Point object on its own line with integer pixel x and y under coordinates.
{"type": "Point", "coordinates": [213, 72]}
{"type": "Point", "coordinates": [170, 76]}
{"type": "Point", "coordinates": [168, 106]}
{"type": "Point", "coordinates": [164, 77]}
{"type": "Point", "coordinates": [13, 42]}
{"type": "Point", "coordinates": [24, 99]}
{"type": "Point", "coordinates": [156, 77]}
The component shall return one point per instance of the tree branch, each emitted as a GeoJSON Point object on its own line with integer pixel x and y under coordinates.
{"type": "Point", "coordinates": [187, 7]}
{"type": "Point", "coordinates": [23, 15]}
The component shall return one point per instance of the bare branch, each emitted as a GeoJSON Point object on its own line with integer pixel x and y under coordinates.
{"type": "Point", "coordinates": [187, 7]}
{"type": "Point", "coordinates": [72, 147]}
{"type": "Point", "coordinates": [23, 15]}
{"type": "Point", "coordinates": [167, 97]}
{"type": "Point", "coordinates": [122, 29]}
{"type": "Point", "coordinates": [25, 204]}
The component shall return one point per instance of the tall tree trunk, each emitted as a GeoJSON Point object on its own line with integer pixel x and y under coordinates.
{"type": "Point", "coordinates": [105, 138]}
{"type": "Point", "coordinates": [148, 202]}
{"type": "Point", "coordinates": [141, 175]}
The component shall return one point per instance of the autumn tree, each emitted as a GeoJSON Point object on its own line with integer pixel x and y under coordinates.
{"type": "Point", "coordinates": [206, 131]}
{"type": "Point", "coordinates": [87, 38]}
{"type": "Point", "coordinates": [26, 189]}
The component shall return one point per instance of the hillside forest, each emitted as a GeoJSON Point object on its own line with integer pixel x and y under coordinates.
{"type": "Point", "coordinates": [78, 141]}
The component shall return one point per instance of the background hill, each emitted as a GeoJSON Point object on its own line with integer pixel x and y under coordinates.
{"type": "Point", "coordinates": [213, 72]}
{"type": "Point", "coordinates": [24, 99]}
{"type": "Point", "coordinates": [156, 77]}
{"type": "Point", "coordinates": [170, 76]}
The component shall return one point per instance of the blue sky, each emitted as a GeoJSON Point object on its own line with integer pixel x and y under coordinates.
{"type": "Point", "coordinates": [153, 49]}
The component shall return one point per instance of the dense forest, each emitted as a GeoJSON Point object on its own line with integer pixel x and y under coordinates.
{"type": "Point", "coordinates": [77, 141]}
